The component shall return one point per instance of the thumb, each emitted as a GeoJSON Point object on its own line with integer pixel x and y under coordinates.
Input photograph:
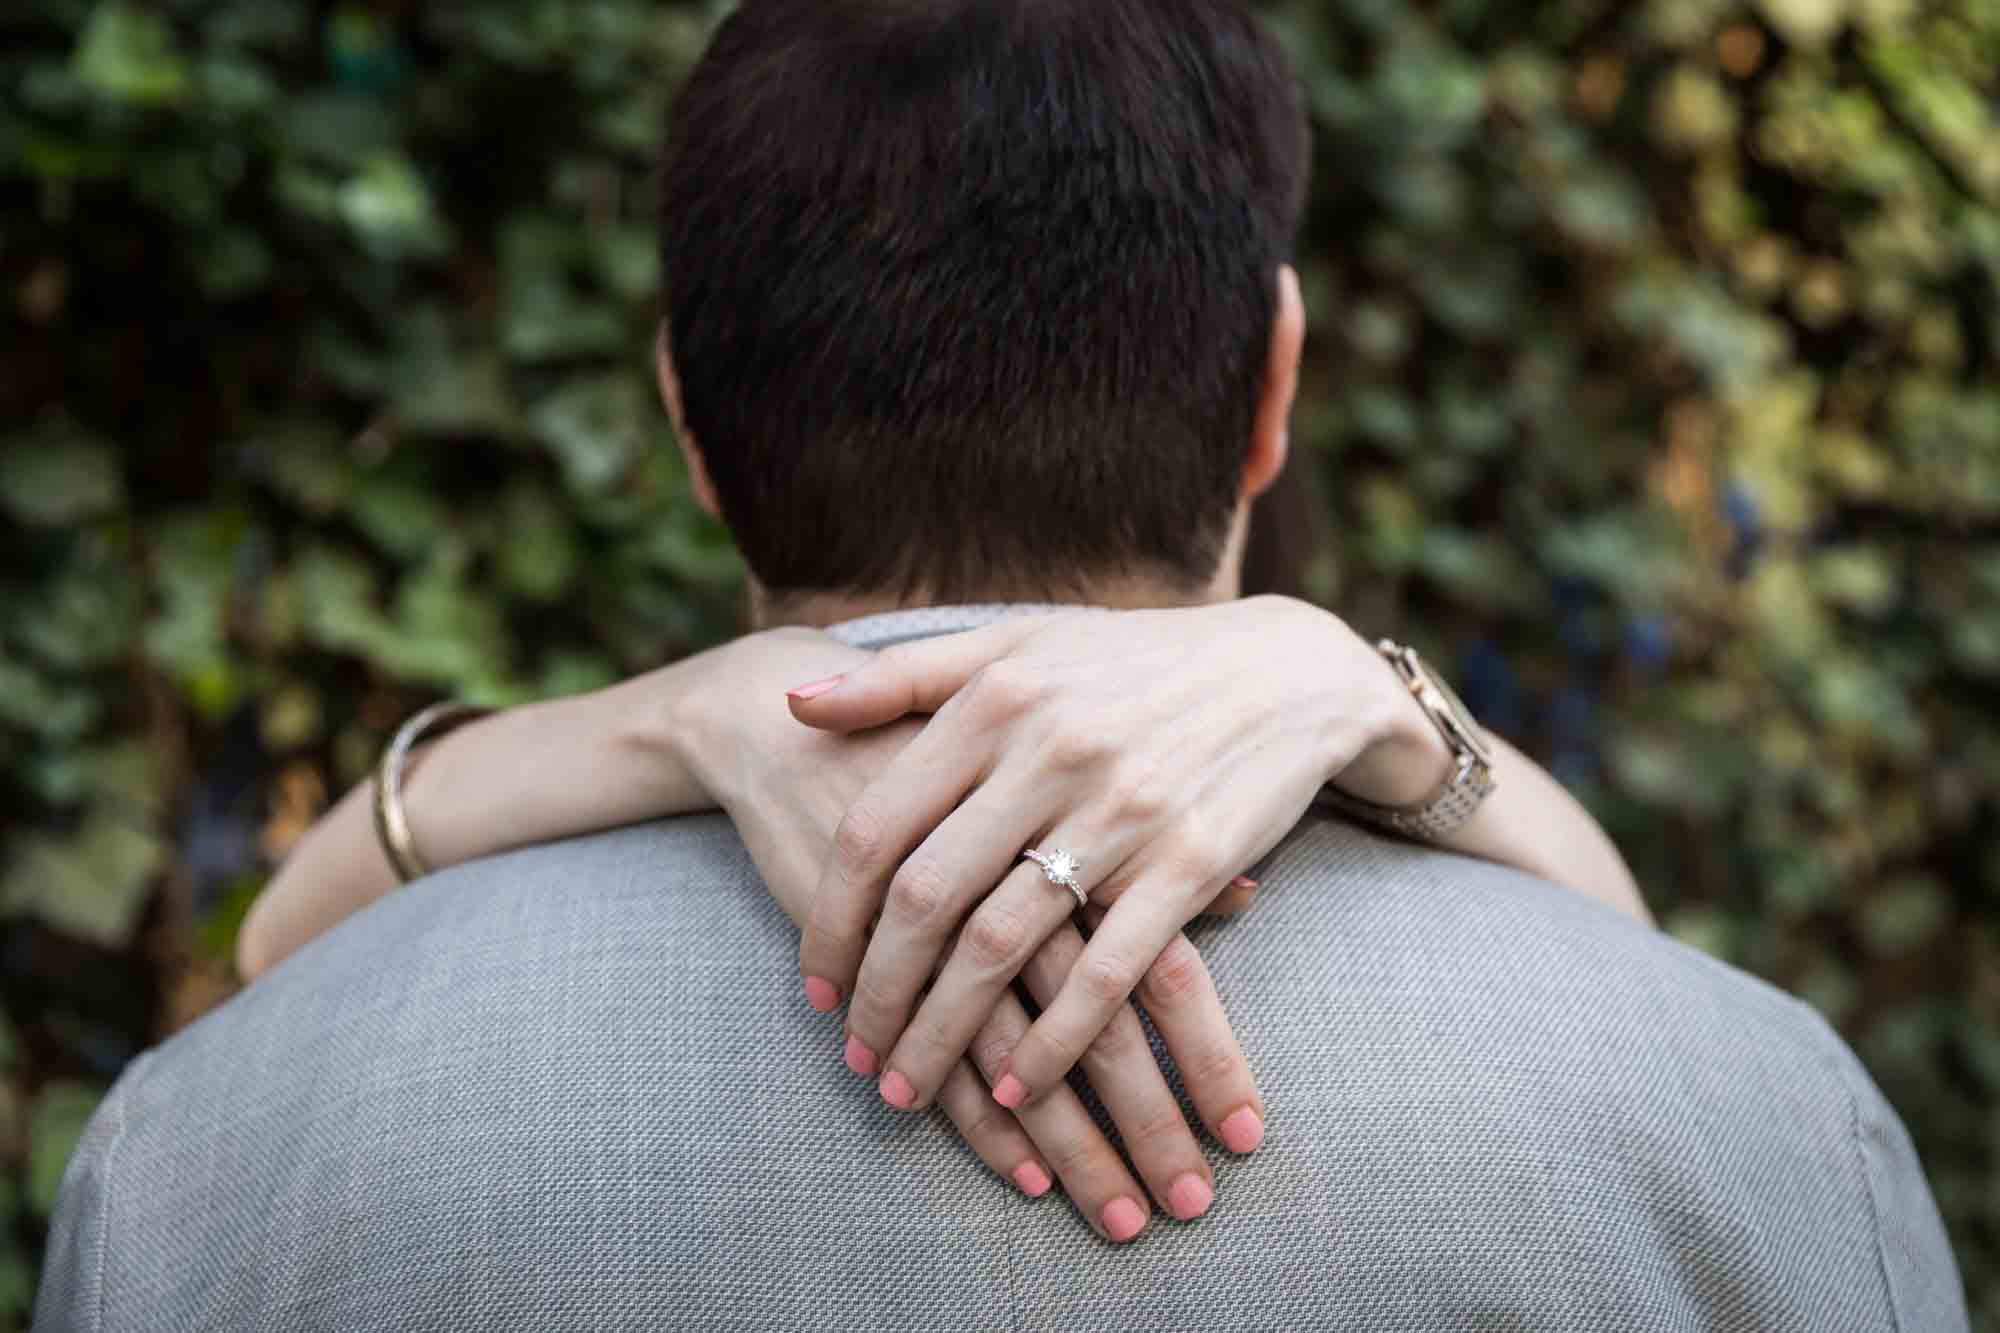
{"type": "Point", "coordinates": [914, 677]}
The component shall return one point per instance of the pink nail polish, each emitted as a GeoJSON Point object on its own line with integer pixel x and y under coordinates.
{"type": "Point", "coordinates": [1122, 1219]}
{"type": "Point", "coordinates": [807, 693]}
{"type": "Point", "coordinates": [859, 1058]}
{"type": "Point", "coordinates": [1033, 1181]}
{"type": "Point", "coordinates": [1189, 1197]}
{"type": "Point", "coordinates": [1010, 1092]}
{"type": "Point", "coordinates": [1242, 1131]}
{"type": "Point", "coordinates": [896, 1091]}
{"type": "Point", "coordinates": [1245, 883]}
{"type": "Point", "coordinates": [822, 994]}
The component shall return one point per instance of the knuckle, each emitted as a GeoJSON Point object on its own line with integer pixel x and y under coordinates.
{"type": "Point", "coordinates": [874, 1009]}
{"type": "Point", "coordinates": [1051, 961]}
{"type": "Point", "coordinates": [1212, 1065]}
{"type": "Point", "coordinates": [996, 937]}
{"type": "Point", "coordinates": [1075, 1154]}
{"type": "Point", "coordinates": [1136, 794]}
{"type": "Point", "coordinates": [857, 839]}
{"type": "Point", "coordinates": [1106, 980]}
{"type": "Point", "coordinates": [983, 1122]}
{"type": "Point", "coordinates": [1191, 858]}
{"type": "Point", "coordinates": [990, 1054]}
{"type": "Point", "coordinates": [920, 1046]}
{"type": "Point", "coordinates": [1003, 689]}
{"type": "Point", "coordinates": [830, 939]}
{"type": "Point", "coordinates": [1175, 976]}
{"type": "Point", "coordinates": [1120, 1041]}
{"type": "Point", "coordinates": [919, 890]}
{"type": "Point", "coordinates": [1156, 1124]}
{"type": "Point", "coordinates": [1070, 748]}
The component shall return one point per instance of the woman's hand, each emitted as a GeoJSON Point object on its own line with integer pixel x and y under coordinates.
{"type": "Point", "coordinates": [1168, 750]}
{"type": "Point", "coordinates": [1222, 711]}
{"type": "Point", "coordinates": [787, 788]}
{"type": "Point", "coordinates": [715, 725]}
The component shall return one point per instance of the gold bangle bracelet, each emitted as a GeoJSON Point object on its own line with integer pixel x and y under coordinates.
{"type": "Point", "coordinates": [392, 825]}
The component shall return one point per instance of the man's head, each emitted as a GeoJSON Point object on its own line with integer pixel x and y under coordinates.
{"type": "Point", "coordinates": [983, 298]}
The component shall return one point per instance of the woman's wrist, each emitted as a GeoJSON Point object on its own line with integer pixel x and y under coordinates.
{"type": "Point", "coordinates": [652, 727]}
{"type": "Point", "coordinates": [541, 771]}
{"type": "Point", "coordinates": [1404, 760]}
{"type": "Point", "coordinates": [704, 719]}
{"type": "Point", "coordinates": [687, 726]}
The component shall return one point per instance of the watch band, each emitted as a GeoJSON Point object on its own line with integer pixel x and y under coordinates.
{"type": "Point", "coordinates": [1471, 780]}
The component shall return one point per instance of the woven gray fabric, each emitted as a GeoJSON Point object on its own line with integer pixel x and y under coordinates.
{"type": "Point", "coordinates": [577, 1087]}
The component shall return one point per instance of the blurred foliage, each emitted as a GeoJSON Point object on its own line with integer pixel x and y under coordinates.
{"type": "Point", "coordinates": [1653, 386]}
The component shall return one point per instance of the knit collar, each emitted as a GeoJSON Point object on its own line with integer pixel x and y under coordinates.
{"type": "Point", "coordinates": [889, 628]}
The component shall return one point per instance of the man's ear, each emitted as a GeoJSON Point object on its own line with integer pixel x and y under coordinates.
{"type": "Point", "coordinates": [1271, 433]}
{"type": "Point", "coordinates": [670, 394]}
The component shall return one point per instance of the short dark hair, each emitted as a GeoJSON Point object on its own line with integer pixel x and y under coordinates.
{"type": "Point", "coordinates": [976, 293]}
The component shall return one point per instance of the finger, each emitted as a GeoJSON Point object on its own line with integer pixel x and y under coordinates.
{"type": "Point", "coordinates": [933, 891]}
{"type": "Point", "coordinates": [886, 822]}
{"type": "Point", "coordinates": [1091, 1172]}
{"type": "Point", "coordinates": [1126, 1077]}
{"type": "Point", "coordinates": [1238, 897]}
{"type": "Point", "coordinates": [990, 950]}
{"type": "Point", "coordinates": [992, 1132]}
{"type": "Point", "coordinates": [1179, 994]}
{"type": "Point", "coordinates": [927, 781]}
{"type": "Point", "coordinates": [1132, 935]}
{"type": "Point", "coordinates": [1235, 899]}
{"type": "Point", "coordinates": [909, 678]}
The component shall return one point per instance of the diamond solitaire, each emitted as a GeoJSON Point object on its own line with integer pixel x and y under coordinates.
{"type": "Point", "coordinates": [1060, 867]}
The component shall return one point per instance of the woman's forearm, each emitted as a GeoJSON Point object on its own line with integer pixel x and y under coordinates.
{"type": "Point", "coordinates": [1529, 822]}
{"type": "Point", "coordinates": [1533, 824]}
{"type": "Point", "coordinates": [651, 747]}
{"type": "Point", "coordinates": [549, 770]}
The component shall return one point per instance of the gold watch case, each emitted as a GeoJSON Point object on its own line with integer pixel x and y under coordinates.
{"type": "Point", "coordinates": [1444, 708]}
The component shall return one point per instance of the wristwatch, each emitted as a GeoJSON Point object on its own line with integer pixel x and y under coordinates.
{"type": "Point", "coordinates": [1471, 780]}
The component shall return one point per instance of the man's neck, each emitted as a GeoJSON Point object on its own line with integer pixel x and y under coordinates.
{"type": "Point", "coordinates": [820, 609]}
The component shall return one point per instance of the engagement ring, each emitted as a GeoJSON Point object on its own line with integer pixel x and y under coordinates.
{"type": "Point", "coordinates": [1060, 867]}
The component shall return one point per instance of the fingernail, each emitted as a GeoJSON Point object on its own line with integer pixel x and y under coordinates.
{"type": "Point", "coordinates": [1034, 1181]}
{"type": "Point", "coordinates": [1245, 883]}
{"type": "Point", "coordinates": [807, 693]}
{"type": "Point", "coordinates": [1243, 1131]}
{"type": "Point", "coordinates": [859, 1058]}
{"type": "Point", "coordinates": [896, 1091]}
{"type": "Point", "coordinates": [1122, 1219]}
{"type": "Point", "coordinates": [1189, 1197]}
{"type": "Point", "coordinates": [822, 994]}
{"type": "Point", "coordinates": [1010, 1092]}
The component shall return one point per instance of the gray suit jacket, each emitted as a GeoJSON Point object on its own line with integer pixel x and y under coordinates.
{"type": "Point", "coordinates": [576, 1087]}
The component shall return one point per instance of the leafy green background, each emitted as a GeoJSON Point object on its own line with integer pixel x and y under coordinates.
{"type": "Point", "coordinates": [1652, 388]}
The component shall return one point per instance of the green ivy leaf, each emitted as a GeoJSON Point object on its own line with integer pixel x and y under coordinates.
{"type": "Point", "coordinates": [54, 481]}
{"type": "Point", "coordinates": [389, 209]}
{"type": "Point", "coordinates": [597, 428]}
{"type": "Point", "coordinates": [1905, 916]}
{"type": "Point", "coordinates": [127, 54]}
{"type": "Point", "coordinates": [55, 1124]}
{"type": "Point", "coordinates": [535, 545]}
{"type": "Point", "coordinates": [91, 883]}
